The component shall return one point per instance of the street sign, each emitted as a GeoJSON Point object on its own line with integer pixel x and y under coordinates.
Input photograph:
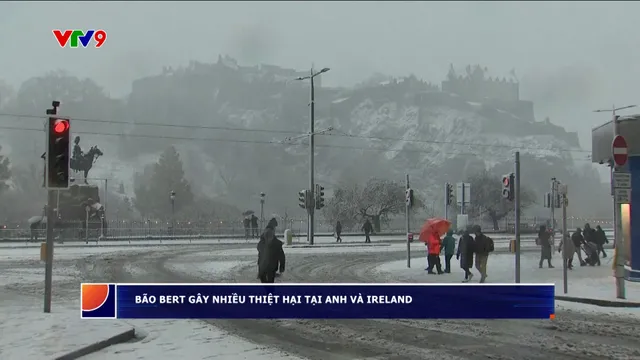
{"type": "Point", "coordinates": [622, 196]}
{"type": "Point", "coordinates": [622, 180]}
{"type": "Point", "coordinates": [463, 193]}
{"type": "Point", "coordinates": [620, 150]}
{"type": "Point", "coordinates": [562, 189]}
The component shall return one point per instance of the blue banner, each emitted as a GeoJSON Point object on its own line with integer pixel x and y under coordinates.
{"type": "Point", "coordinates": [334, 301]}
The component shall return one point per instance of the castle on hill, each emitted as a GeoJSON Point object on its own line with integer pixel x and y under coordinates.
{"type": "Point", "coordinates": [474, 85]}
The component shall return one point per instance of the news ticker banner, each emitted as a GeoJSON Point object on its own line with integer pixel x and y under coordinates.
{"type": "Point", "coordinates": [317, 301]}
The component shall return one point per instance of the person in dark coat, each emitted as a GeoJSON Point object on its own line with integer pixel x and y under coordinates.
{"type": "Point", "coordinates": [368, 229]}
{"type": "Point", "coordinates": [254, 226]}
{"type": "Point", "coordinates": [484, 246]}
{"type": "Point", "coordinates": [544, 239]}
{"type": "Point", "coordinates": [273, 223]}
{"type": "Point", "coordinates": [589, 234]}
{"type": "Point", "coordinates": [466, 245]}
{"type": "Point", "coordinates": [338, 231]}
{"type": "Point", "coordinates": [578, 241]}
{"type": "Point", "coordinates": [271, 256]}
{"type": "Point", "coordinates": [247, 225]}
{"type": "Point", "coordinates": [601, 239]}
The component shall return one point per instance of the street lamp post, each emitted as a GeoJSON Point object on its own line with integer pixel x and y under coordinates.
{"type": "Point", "coordinates": [173, 213]}
{"type": "Point", "coordinates": [262, 195]}
{"type": "Point", "coordinates": [311, 205]}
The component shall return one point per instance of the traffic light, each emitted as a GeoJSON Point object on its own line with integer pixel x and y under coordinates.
{"type": "Point", "coordinates": [547, 200]}
{"type": "Point", "coordinates": [319, 197]}
{"type": "Point", "coordinates": [302, 199]}
{"type": "Point", "coordinates": [58, 139]}
{"type": "Point", "coordinates": [508, 183]}
{"type": "Point", "coordinates": [449, 193]}
{"type": "Point", "coordinates": [409, 197]}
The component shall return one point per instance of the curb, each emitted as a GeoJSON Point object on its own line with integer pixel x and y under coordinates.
{"type": "Point", "coordinates": [334, 246]}
{"type": "Point", "coordinates": [95, 347]}
{"type": "Point", "coordinates": [599, 302]}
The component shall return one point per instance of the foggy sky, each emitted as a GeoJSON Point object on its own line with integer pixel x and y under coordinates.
{"type": "Point", "coordinates": [571, 57]}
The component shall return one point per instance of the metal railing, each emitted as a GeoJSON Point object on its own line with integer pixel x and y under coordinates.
{"type": "Point", "coordinates": [132, 234]}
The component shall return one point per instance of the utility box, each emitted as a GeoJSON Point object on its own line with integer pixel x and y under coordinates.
{"type": "Point", "coordinates": [288, 235]}
{"type": "Point", "coordinates": [462, 221]}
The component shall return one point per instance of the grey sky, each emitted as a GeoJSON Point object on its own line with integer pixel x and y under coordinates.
{"type": "Point", "coordinates": [572, 57]}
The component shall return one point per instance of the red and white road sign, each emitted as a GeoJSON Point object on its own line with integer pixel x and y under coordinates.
{"type": "Point", "coordinates": [620, 150]}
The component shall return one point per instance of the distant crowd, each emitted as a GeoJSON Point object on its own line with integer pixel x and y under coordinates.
{"type": "Point", "coordinates": [588, 240]}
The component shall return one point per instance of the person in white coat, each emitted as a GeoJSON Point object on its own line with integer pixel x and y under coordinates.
{"type": "Point", "coordinates": [569, 250]}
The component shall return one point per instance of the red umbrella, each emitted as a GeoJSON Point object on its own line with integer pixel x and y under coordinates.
{"type": "Point", "coordinates": [438, 226]}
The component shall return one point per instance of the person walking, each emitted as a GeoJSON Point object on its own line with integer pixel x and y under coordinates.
{"type": "Point", "coordinates": [449, 249]}
{"type": "Point", "coordinates": [247, 224]}
{"type": "Point", "coordinates": [434, 245]}
{"type": "Point", "coordinates": [578, 241]}
{"type": "Point", "coordinates": [601, 239]}
{"type": "Point", "coordinates": [368, 229]}
{"type": "Point", "coordinates": [271, 257]}
{"type": "Point", "coordinates": [544, 240]}
{"type": "Point", "coordinates": [569, 250]}
{"type": "Point", "coordinates": [254, 226]}
{"type": "Point", "coordinates": [484, 246]}
{"type": "Point", "coordinates": [466, 245]}
{"type": "Point", "coordinates": [273, 223]}
{"type": "Point", "coordinates": [338, 231]}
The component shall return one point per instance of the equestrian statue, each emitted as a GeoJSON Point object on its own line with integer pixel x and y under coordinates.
{"type": "Point", "coordinates": [81, 161]}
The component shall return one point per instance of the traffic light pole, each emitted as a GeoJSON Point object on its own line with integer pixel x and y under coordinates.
{"type": "Point", "coordinates": [517, 215]}
{"type": "Point", "coordinates": [446, 201]}
{"type": "Point", "coordinates": [408, 225]}
{"type": "Point", "coordinates": [311, 158]}
{"type": "Point", "coordinates": [552, 203]}
{"type": "Point", "coordinates": [51, 198]}
{"type": "Point", "coordinates": [565, 237]}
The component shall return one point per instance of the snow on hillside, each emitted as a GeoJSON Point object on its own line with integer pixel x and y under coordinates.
{"type": "Point", "coordinates": [445, 133]}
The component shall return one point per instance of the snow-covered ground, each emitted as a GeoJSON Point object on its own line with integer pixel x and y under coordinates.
{"type": "Point", "coordinates": [29, 333]}
{"type": "Point", "coordinates": [586, 282]}
{"type": "Point", "coordinates": [186, 339]}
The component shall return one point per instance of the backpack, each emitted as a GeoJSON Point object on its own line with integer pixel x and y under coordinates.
{"type": "Point", "coordinates": [490, 246]}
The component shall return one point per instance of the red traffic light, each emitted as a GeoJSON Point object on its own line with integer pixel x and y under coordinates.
{"type": "Point", "coordinates": [505, 181]}
{"type": "Point", "coordinates": [60, 126]}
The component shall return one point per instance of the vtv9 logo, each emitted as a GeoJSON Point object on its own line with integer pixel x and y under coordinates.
{"type": "Point", "coordinates": [80, 37]}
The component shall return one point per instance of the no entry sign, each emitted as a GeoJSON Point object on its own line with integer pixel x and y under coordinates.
{"type": "Point", "coordinates": [620, 150]}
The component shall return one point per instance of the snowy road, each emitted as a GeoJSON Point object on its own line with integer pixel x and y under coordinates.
{"type": "Point", "coordinates": [572, 335]}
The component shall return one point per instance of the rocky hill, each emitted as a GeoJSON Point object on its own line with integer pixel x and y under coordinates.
{"type": "Point", "coordinates": [248, 122]}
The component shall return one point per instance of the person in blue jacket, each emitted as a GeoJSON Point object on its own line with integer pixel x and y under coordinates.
{"type": "Point", "coordinates": [449, 249]}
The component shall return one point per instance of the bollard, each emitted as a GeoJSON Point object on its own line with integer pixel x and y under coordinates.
{"type": "Point", "coordinates": [43, 251]}
{"type": "Point", "coordinates": [288, 235]}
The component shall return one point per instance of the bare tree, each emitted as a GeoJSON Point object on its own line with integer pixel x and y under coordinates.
{"type": "Point", "coordinates": [376, 200]}
{"type": "Point", "coordinates": [487, 200]}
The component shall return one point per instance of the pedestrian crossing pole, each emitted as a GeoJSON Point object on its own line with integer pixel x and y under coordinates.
{"type": "Point", "coordinates": [408, 225]}
{"type": "Point", "coordinates": [516, 202]}
{"type": "Point", "coordinates": [565, 237]}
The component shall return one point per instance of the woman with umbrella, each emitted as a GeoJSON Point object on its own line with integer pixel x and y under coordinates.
{"type": "Point", "coordinates": [430, 234]}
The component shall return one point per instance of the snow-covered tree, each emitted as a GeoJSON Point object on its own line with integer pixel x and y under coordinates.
{"type": "Point", "coordinates": [377, 200]}
{"type": "Point", "coordinates": [154, 186]}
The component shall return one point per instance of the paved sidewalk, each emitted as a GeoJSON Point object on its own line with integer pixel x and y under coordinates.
{"type": "Point", "coordinates": [593, 285]}
{"type": "Point", "coordinates": [29, 333]}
